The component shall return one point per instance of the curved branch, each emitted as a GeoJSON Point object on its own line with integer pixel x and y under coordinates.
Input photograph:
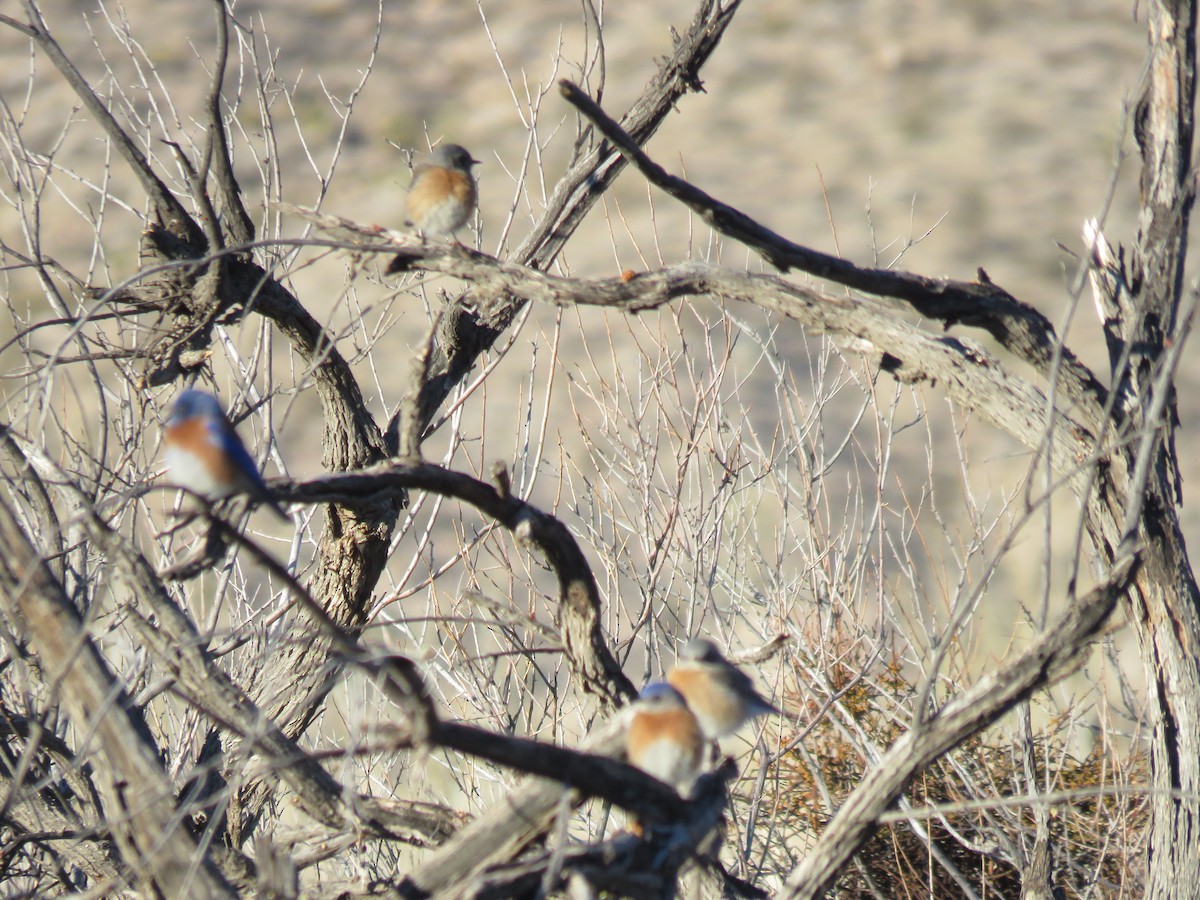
{"type": "Point", "coordinates": [1018, 327]}
{"type": "Point", "coordinates": [965, 371]}
{"type": "Point", "coordinates": [593, 774]}
{"type": "Point", "coordinates": [587, 652]}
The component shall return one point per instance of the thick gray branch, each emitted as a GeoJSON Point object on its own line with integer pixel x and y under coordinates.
{"type": "Point", "coordinates": [1060, 651]}
{"type": "Point", "coordinates": [177, 646]}
{"type": "Point", "coordinates": [1018, 327]}
{"type": "Point", "coordinates": [965, 371]}
{"type": "Point", "coordinates": [136, 793]}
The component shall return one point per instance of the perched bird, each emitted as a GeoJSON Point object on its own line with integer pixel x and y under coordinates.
{"type": "Point", "coordinates": [663, 738]}
{"type": "Point", "coordinates": [442, 195]}
{"type": "Point", "coordinates": [721, 696]}
{"type": "Point", "coordinates": [205, 455]}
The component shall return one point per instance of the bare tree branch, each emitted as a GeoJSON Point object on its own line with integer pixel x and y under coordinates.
{"type": "Point", "coordinates": [466, 333]}
{"type": "Point", "coordinates": [502, 833]}
{"type": "Point", "coordinates": [139, 806]}
{"type": "Point", "coordinates": [217, 156]}
{"type": "Point", "coordinates": [171, 212]}
{"type": "Point", "coordinates": [579, 598]}
{"type": "Point", "coordinates": [1016, 325]}
{"type": "Point", "coordinates": [1060, 651]}
{"type": "Point", "coordinates": [179, 648]}
{"type": "Point", "coordinates": [68, 814]}
{"type": "Point", "coordinates": [1149, 329]}
{"type": "Point", "coordinates": [624, 866]}
{"type": "Point", "coordinates": [963, 369]}
{"type": "Point", "coordinates": [592, 774]}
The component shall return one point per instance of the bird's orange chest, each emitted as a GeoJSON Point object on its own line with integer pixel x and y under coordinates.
{"type": "Point", "coordinates": [676, 726]}
{"type": "Point", "coordinates": [703, 691]}
{"type": "Point", "coordinates": [438, 185]}
{"type": "Point", "coordinates": [193, 436]}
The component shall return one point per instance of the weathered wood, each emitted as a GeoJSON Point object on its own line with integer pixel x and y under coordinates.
{"type": "Point", "coordinates": [1166, 606]}
{"type": "Point", "coordinates": [139, 804]}
{"type": "Point", "coordinates": [1057, 653]}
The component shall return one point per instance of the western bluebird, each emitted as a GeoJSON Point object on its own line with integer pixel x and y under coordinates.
{"type": "Point", "coordinates": [442, 195]}
{"type": "Point", "coordinates": [721, 695]}
{"type": "Point", "coordinates": [663, 737]}
{"type": "Point", "coordinates": [204, 453]}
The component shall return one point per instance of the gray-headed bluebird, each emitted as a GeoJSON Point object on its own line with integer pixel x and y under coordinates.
{"type": "Point", "coordinates": [442, 195]}
{"type": "Point", "coordinates": [722, 696]}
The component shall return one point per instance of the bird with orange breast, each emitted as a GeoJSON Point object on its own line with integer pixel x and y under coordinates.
{"type": "Point", "coordinates": [720, 695]}
{"type": "Point", "coordinates": [663, 737]}
{"type": "Point", "coordinates": [205, 455]}
{"type": "Point", "coordinates": [443, 194]}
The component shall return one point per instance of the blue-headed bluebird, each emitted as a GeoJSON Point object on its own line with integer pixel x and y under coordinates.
{"type": "Point", "coordinates": [205, 455]}
{"type": "Point", "coordinates": [663, 738]}
{"type": "Point", "coordinates": [722, 696]}
{"type": "Point", "coordinates": [442, 195]}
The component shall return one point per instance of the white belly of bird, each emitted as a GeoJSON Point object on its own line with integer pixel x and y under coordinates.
{"type": "Point", "coordinates": [185, 470]}
{"type": "Point", "coordinates": [668, 762]}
